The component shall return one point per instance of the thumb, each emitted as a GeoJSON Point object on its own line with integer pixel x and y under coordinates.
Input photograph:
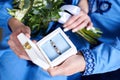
{"type": "Point", "coordinates": [27, 31]}
{"type": "Point", "coordinates": [56, 71]}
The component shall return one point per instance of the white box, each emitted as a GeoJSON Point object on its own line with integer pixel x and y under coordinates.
{"type": "Point", "coordinates": [50, 51]}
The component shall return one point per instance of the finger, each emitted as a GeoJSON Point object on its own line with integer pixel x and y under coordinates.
{"type": "Point", "coordinates": [15, 41]}
{"type": "Point", "coordinates": [21, 54]}
{"type": "Point", "coordinates": [26, 30]}
{"type": "Point", "coordinates": [77, 22]}
{"type": "Point", "coordinates": [72, 19]}
{"type": "Point", "coordinates": [34, 41]}
{"type": "Point", "coordinates": [12, 46]}
{"type": "Point", "coordinates": [56, 71]}
{"type": "Point", "coordinates": [18, 49]}
{"type": "Point", "coordinates": [89, 26]}
{"type": "Point", "coordinates": [81, 26]}
{"type": "Point", "coordinates": [62, 69]}
{"type": "Point", "coordinates": [24, 57]}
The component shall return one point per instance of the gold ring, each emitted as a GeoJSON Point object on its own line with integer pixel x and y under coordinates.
{"type": "Point", "coordinates": [27, 45]}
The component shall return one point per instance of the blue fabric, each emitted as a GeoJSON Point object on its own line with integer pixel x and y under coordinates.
{"type": "Point", "coordinates": [4, 17]}
{"type": "Point", "coordinates": [107, 55]}
{"type": "Point", "coordinates": [89, 62]}
{"type": "Point", "coordinates": [12, 67]}
{"type": "Point", "coordinates": [95, 6]}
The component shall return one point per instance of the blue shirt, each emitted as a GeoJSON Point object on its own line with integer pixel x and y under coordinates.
{"type": "Point", "coordinates": [11, 66]}
{"type": "Point", "coordinates": [105, 56]}
{"type": "Point", "coordinates": [99, 59]}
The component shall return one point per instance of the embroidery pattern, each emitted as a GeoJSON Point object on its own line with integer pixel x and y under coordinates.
{"type": "Point", "coordinates": [89, 61]}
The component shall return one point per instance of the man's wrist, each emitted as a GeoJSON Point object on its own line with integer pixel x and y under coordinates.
{"type": "Point", "coordinates": [14, 24]}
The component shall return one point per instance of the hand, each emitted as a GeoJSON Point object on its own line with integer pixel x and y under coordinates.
{"type": "Point", "coordinates": [77, 22]}
{"type": "Point", "coordinates": [72, 65]}
{"type": "Point", "coordinates": [18, 27]}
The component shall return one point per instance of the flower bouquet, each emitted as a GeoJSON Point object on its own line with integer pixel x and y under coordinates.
{"type": "Point", "coordinates": [38, 13]}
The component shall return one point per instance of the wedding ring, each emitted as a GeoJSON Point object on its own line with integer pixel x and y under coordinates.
{"type": "Point", "coordinates": [27, 46]}
{"type": "Point", "coordinates": [55, 47]}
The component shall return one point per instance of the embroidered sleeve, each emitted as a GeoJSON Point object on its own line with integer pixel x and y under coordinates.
{"type": "Point", "coordinates": [90, 64]}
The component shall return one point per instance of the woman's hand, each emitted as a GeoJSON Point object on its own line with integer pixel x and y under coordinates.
{"type": "Point", "coordinates": [18, 27]}
{"type": "Point", "coordinates": [72, 65]}
{"type": "Point", "coordinates": [77, 22]}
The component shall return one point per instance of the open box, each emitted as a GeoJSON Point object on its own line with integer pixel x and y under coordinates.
{"type": "Point", "coordinates": [50, 51]}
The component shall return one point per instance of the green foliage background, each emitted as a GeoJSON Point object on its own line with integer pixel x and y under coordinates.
{"type": "Point", "coordinates": [38, 13]}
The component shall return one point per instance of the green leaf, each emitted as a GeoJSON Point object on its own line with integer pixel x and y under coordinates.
{"type": "Point", "coordinates": [90, 35]}
{"type": "Point", "coordinates": [38, 13]}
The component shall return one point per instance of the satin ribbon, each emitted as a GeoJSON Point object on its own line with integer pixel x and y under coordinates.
{"type": "Point", "coordinates": [67, 11]}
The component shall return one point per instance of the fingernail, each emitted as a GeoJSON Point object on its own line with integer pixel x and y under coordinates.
{"type": "Point", "coordinates": [88, 28]}
{"type": "Point", "coordinates": [74, 30]}
{"type": "Point", "coordinates": [66, 29]}
{"type": "Point", "coordinates": [28, 35]}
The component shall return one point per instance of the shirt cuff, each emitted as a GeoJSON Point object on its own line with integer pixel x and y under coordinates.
{"type": "Point", "coordinates": [90, 64]}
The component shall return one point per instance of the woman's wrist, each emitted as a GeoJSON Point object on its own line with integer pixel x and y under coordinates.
{"type": "Point", "coordinates": [83, 4]}
{"type": "Point", "coordinates": [83, 63]}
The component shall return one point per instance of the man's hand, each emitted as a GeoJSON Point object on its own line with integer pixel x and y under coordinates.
{"type": "Point", "coordinates": [18, 27]}
{"type": "Point", "coordinates": [72, 65]}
